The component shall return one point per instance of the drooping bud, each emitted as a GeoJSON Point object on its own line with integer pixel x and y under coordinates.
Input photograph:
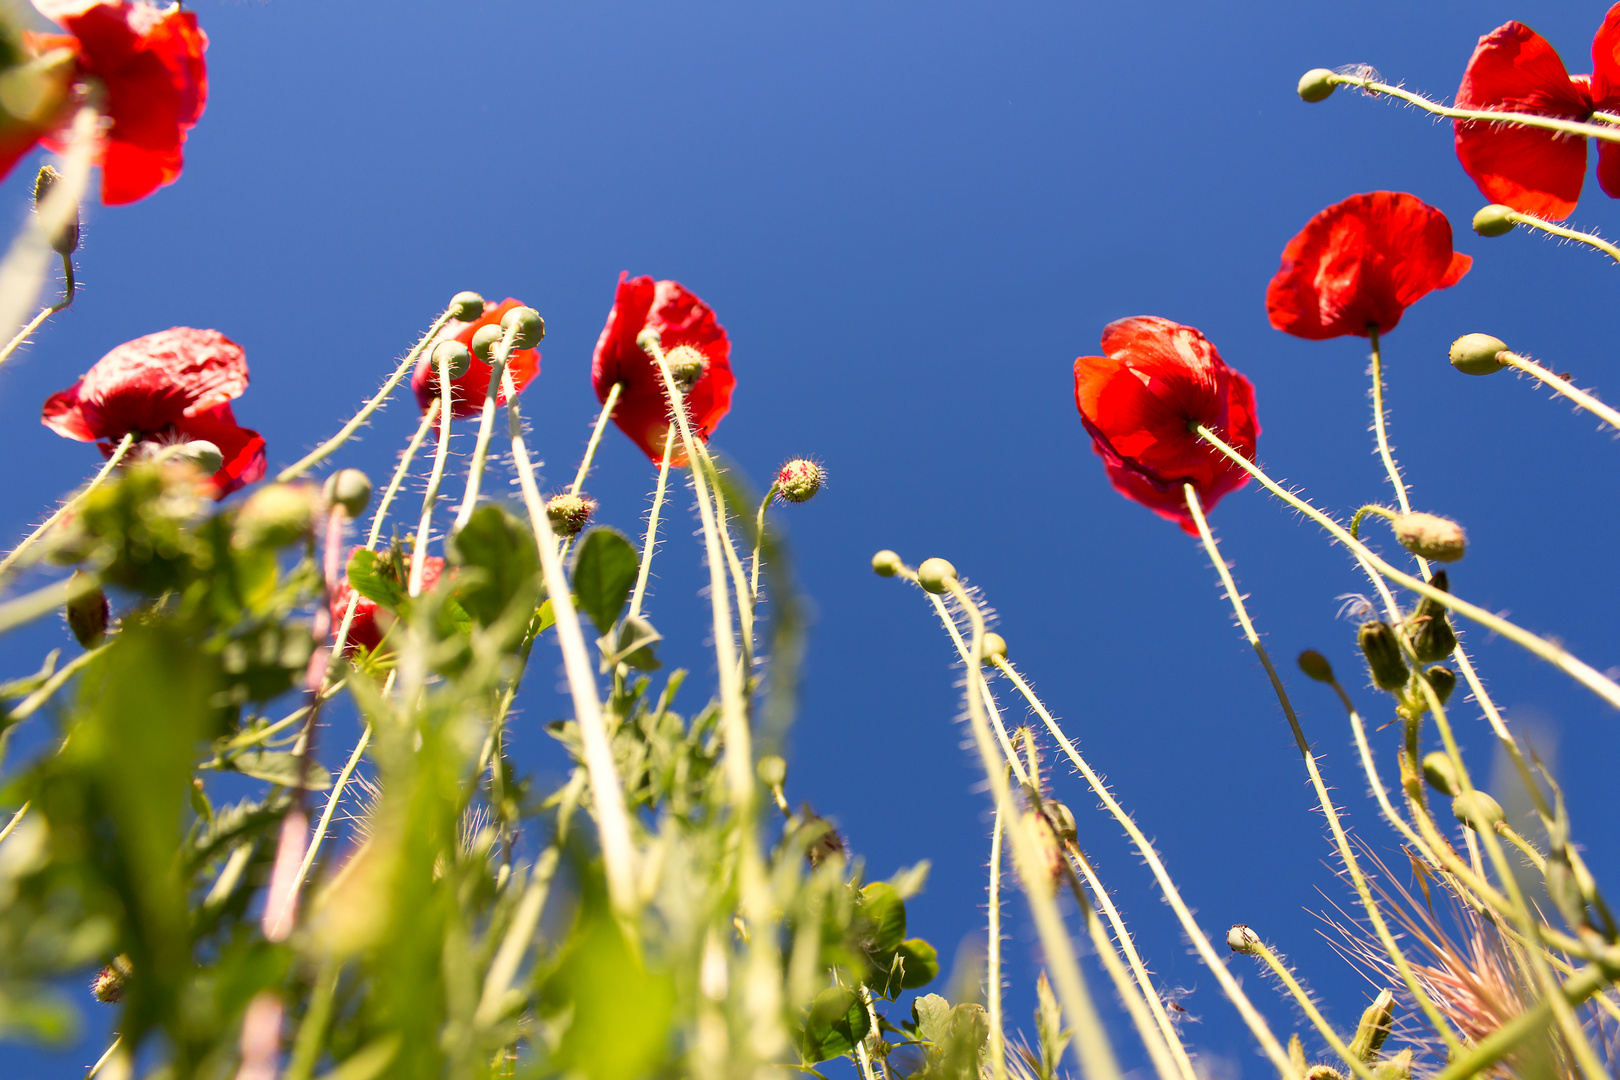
{"type": "Point", "coordinates": [350, 489]}
{"type": "Point", "coordinates": [109, 983]}
{"type": "Point", "coordinates": [569, 514]}
{"type": "Point", "coordinates": [1441, 773]}
{"type": "Point", "coordinates": [1431, 536]}
{"type": "Point", "coordinates": [886, 563]}
{"type": "Point", "coordinates": [201, 454]}
{"type": "Point", "coordinates": [1478, 811]}
{"type": "Point", "coordinates": [1383, 654]}
{"type": "Point", "coordinates": [995, 648]}
{"type": "Point", "coordinates": [1316, 666]}
{"type": "Point", "coordinates": [772, 770]}
{"type": "Point", "coordinates": [1494, 220]}
{"type": "Point", "coordinates": [1240, 939]}
{"type": "Point", "coordinates": [1427, 628]}
{"type": "Point", "coordinates": [1443, 680]}
{"type": "Point", "coordinates": [528, 328]}
{"type": "Point", "coordinates": [484, 340]}
{"type": "Point", "coordinates": [1476, 354]}
{"type": "Point", "coordinates": [453, 353]}
{"type": "Point", "coordinates": [934, 574]}
{"type": "Point", "coordinates": [799, 480]}
{"type": "Point", "coordinates": [88, 615]}
{"type": "Point", "coordinates": [64, 241]}
{"type": "Point", "coordinates": [1316, 84]}
{"type": "Point", "coordinates": [686, 366]}
{"type": "Point", "coordinates": [275, 516]}
{"type": "Point", "coordinates": [1377, 1022]}
{"type": "Point", "coordinates": [466, 306]}
{"type": "Point", "coordinates": [1062, 820]}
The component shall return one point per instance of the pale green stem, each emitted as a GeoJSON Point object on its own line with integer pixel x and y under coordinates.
{"type": "Point", "coordinates": [596, 437]}
{"type": "Point", "coordinates": [22, 271]}
{"type": "Point", "coordinates": [1129, 993]}
{"type": "Point", "coordinates": [104, 1058]}
{"type": "Point", "coordinates": [1303, 1000]}
{"type": "Point", "coordinates": [1549, 123]}
{"type": "Point", "coordinates": [435, 478]}
{"type": "Point", "coordinates": [1189, 925]}
{"type": "Point", "coordinates": [650, 544]}
{"type": "Point", "coordinates": [37, 321]}
{"type": "Point", "coordinates": [865, 1061]}
{"type": "Point", "coordinates": [607, 797]}
{"type": "Point", "coordinates": [1564, 231]}
{"type": "Point", "coordinates": [1341, 841]}
{"type": "Point", "coordinates": [325, 450]}
{"type": "Point", "coordinates": [333, 800]}
{"type": "Point", "coordinates": [1371, 508]}
{"type": "Point", "coordinates": [72, 504]}
{"type": "Point", "coordinates": [992, 955]}
{"type": "Point", "coordinates": [30, 606]}
{"type": "Point", "coordinates": [1560, 385]}
{"type": "Point", "coordinates": [739, 581]}
{"type": "Point", "coordinates": [32, 702]}
{"type": "Point", "coordinates": [15, 819]}
{"type": "Point", "coordinates": [1378, 423]}
{"type": "Point", "coordinates": [400, 472]}
{"type": "Point", "coordinates": [1570, 665]}
{"type": "Point", "coordinates": [759, 538]}
{"type": "Point", "coordinates": [1364, 749]}
{"type": "Point", "coordinates": [486, 428]}
{"type": "Point", "coordinates": [988, 698]}
{"type": "Point", "coordinates": [1092, 1050]}
{"type": "Point", "coordinates": [519, 935]}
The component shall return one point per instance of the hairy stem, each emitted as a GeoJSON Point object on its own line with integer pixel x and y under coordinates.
{"type": "Point", "coordinates": [1549, 123]}
{"type": "Point", "coordinates": [1562, 386]}
{"type": "Point", "coordinates": [1564, 232]}
{"type": "Point", "coordinates": [650, 544]}
{"type": "Point", "coordinates": [435, 478]}
{"type": "Point", "coordinates": [486, 428]}
{"type": "Point", "coordinates": [1303, 1000]}
{"type": "Point", "coordinates": [992, 956]}
{"type": "Point", "coordinates": [596, 437]}
{"type": "Point", "coordinates": [72, 505]}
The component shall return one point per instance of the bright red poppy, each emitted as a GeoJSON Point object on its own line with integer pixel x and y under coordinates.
{"type": "Point", "coordinates": [1514, 69]}
{"type": "Point", "coordinates": [149, 64]}
{"type": "Point", "coordinates": [1139, 402]}
{"type": "Point", "coordinates": [468, 391]}
{"type": "Point", "coordinates": [643, 412]}
{"type": "Point", "coordinates": [1360, 264]}
{"type": "Point", "coordinates": [169, 387]}
{"type": "Point", "coordinates": [368, 628]}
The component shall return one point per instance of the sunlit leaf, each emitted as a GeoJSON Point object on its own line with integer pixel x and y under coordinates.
{"type": "Point", "coordinates": [604, 572]}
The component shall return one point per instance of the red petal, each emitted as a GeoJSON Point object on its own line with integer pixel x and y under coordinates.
{"type": "Point", "coordinates": [64, 416]}
{"type": "Point", "coordinates": [156, 381]}
{"type": "Point", "coordinates": [1606, 62]}
{"type": "Point", "coordinates": [469, 391]}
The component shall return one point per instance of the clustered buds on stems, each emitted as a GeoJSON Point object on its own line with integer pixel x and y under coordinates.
{"type": "Point", "coordinates": [886, 563]}
{"type": "Point", "coordinates": [350, 489]}
{"type": "Point", "coordinates": [569, 514]}
{"type": "Point", "coordinates": [1478, 354]}
{"type": "Point", "coordinates": [466, 306]}
{"type": "Point", "coordinates": [65, 241]}
{"type": "Point", "coordinates": [1383, 653]}
{"type": "Point", "coordinates": [1430, 536]}
{"type": "Point", "coordinates": [454, 355]}
{"type": "Point", "coordinates": [799, 480]}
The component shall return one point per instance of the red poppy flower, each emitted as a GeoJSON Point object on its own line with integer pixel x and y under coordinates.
{"type": "Point", "coordinates": [1139, 401]}
{"type": "Point", "coordinates": [172, 386]}
{"type": "Point", "coordinates": [1538, 172]}
{"type": "Point", "coordinates": [643, 411]}
{"type": "Point", "coordinates": [366, 629]}
{"type": "Point", "coordinates": [468, 391]}
{"type": "Point", "coordinates": [1360, 264]}
{"type": "Point", "coordinates": [149, 61]}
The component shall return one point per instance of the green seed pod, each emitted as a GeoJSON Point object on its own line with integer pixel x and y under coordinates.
{"type": "Point", "coordinates": [886, 563]}
{"type": "Point", "coordinates": [1478, 811]}
{"type": "Point", "coordinates": [1476, 354]}
{"type": "Point", "coordinates": [1431, 536]}
{"type": "Point", "coordinates": [1494, 220]}
{"type": "Point", "coordinates": [933, 575]}
{"type": "Point", "coordinates": [484, 342]}
{"type": "Point", "coordinates": [569, 514]}
{"type": "Point", "coordinates": [1443, 680]}
{"type": "Point", "coordinates": [1383, 654]}
{"type": "Point", "coordinates": [528, 328]}
{"type": "Point", "coordinates": [201, 454]}
{"type": "Point", "coordinates": [88, 616]}
{"type": "Point", "coordinates": [995, 647]}
{"type": "Point", "coordinates": [466, 306]}
{"type": "Point", "coordinates": [64, 241]}
{"type": "Point", "coordinates": [799, 480]}
{"type": "Point", "coordinates": [686, 366]}
{"type": "Point", "coordinates": [275, 516]}
{"type": "Point", "coordinates": [772, 771]}
{"type": "Point", "coordinates": [1315, 665]}
{"type": "Point", "coordinates": [1427, 628]}
{"type": "Point", "coordinates": [350, 489]}
{"type": "Point", "coordinates": [1316, 84]}
{"type": "Point", "coordinates": [1441, 774]}
{"type": "Point", "coordinates": [1376, 1023]}
{"type": "Point", "coordinates": [453, 353]}
{"type": "Point", "coordinates": [1241, 939]}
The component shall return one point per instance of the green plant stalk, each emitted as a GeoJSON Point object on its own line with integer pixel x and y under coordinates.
{"type": "Point", "coordinates": [1478, 1058]}
{"type": "Point", "coordinates": [15, 820]}
{"type": "Point", "coordinates": [759, 537]}
{"type": "Point", "coordinates": [101, 1062]}
{"type": "Point", "coordinates": [486, 428]}
{"type": "Point", "coordinates": [519, 935]}
{"type": "Point", "coordinates": [1092, 1050]}
{"type": "Point", "coordinates": [27, 331]}
{"type": "Point", "coordinates": [435, 478]}
{"type": "Point", "coordinates": [1592, 240]}
{"type": "Point", "coordinates": [1378, 422]}
{"type": "Point", "coordinates": [30, 704]}
{"type": "Point", "coordinates": [1303, 1000]}
{"type": "Point", "coordinates": [602, 418]}
{"type": "Point", "coordinates": [44, 600]}
{"type": "Point", "coordinates": [72, 504]}
{"type": "Point", "coordinates": [739, 581]}
{"type": "Point", "coordinates": [332, 800]}
{"type": "Point", "coordinates": [22, 271]}
{"type": "Point", "coordinates": [992, 956]}
{"type": "Point", "coordinates": [650, 544]}
{"type": "Point", "coordinates": [1549, 123]}
{"type": "Point", "coordinates": [1341, 841]}
{"type": "Point", "coordinates": [1376, 783]}
{"type": "Point", "coordinates": [312, 1031]}
{"type": "Point", "coordinates": [326, 449]}
{"type": "Point", "coordinates": [1560, 385]}
{"type": "Point", "coordinates": [986, 696]}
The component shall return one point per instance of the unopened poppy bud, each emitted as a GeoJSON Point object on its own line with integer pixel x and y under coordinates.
{"type": "Point", "coordinates": [201, 454]}
{"type": "Point", "coordinates": [466, 306]}
{"type": "Point", "coordinates": [772, 770]}
{"type": "Point", "coordinates": [1049, 852]}
{"type": "Point", "coordinates": [686, 366]}
{"type": "Point", "coordinates": [1443, 680]}
{"type": "Point", "coordinates": [528, 328]}
{"type": "Point", "coordinates": [1241, 939]}
{"type": "Point", "coordinates": [1441, 773]}
{"type": "Point", "coordinates": [1431, 536]}
{"type": "Point", "coordinates": [453, 354]}
{"type": "Point", "coordinates": [350, 489]}
{"type": "Point", "coordinates": [1316, 84]}
{"type": "Point", "coordinates": [886, 563]}
{"type": "Point", "coordinates": [799, 480]}
{"type": "Point", "coordinates": [995, 648]}
{"type": "Point", "coordinates": [1428, 630]}
{"type": "Point", "coordinates": [934, 575]}
{"type": "Point", "coordinates": [1383, 654]}
{"type": "Point", "coordinates": [65, 241]}
{"type": "Point", "coordinates": [275, 516]}
{"type": "Point", "coordinates": [484, 342]}
{"type": "Point", "coordinates": [1478, 811]}
{"type": "Point", "coordinates": [1476, 354]}
{"type": "Point", "coordinates": [1324, 1072]}
{"type": "Point", "coordinates": [1062, 820]}
{"type": "Point", "coordinates": [1398, 1067]}
{"type": "Point", "coordinates": [1494, 220]}
{"type": "Point", "coordinates": [569, 514]}
{"type": "Point", "coordinates": [649, 339]}
{"type": "Point", "coordinates": [1315, 665]}
{"type": "Point", "coordinates": [823, 841]}
{"type": "Point", "coordinates": [1377, 1021]}
{"type": "Point", "coordinates": [108, 985]}
{"type": "Point", "coordinates": [88, 615]}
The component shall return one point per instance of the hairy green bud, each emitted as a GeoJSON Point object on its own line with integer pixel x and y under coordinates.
{"type": "Point", "coordinates": [1376, 1023]}
{"type": "Point", "coordinates": [1443, 680]}
{"type": "Point", "coordinates": [1240, 939]}
{"type": "Point", "coordinates": [772, 770]}
{"type": "Point", "coordinates": [935, 574]}
{"type": "Point", "coordinates": [528, 328]}
{"type": "Point", "coordinates": [88, 615]}
{"type": "Point", "coordinates": [454, 354]}
{"type": "Point", "coordinates": [886, 563]}
{"type": "Point", "coordinates": [1316, 85]}
{"type": "Point", "coordinates": [1494, 220]}
{"type": "Point", "coordinates": [109, 983]}
{"type": "Point", "coordinates": [1476, 354]}
{"type": "Point", "coordinates": [995, 648]}
{"type": "Point", "coordinates": [1478, 811]}
{"type": "Point", "coordinates": [1383, 654]}
{"type": "Point", "coordinates": [350, 489]}
{"type": "Point", "coordinates": [569, 514]}
{"type": "Point", "coordinates": [1431, 536]}
{"type": "Point", "coordinates": [1428, 630]}
{"type": "Point", "coordinates": [484, 340]}
{"type": "Point", "coordinates": [686, 366]}
{"type": "Point", "coordinates": [466, 306]}
{"type": "Point", "coordinates": [1441, 773]}
{"type": "Point", "coordinates": [799, 480]}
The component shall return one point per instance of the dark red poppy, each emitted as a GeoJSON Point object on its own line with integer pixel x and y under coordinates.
{"type": "Point", "coordinates": [468, 391]}
{"type": "Point", "coordinates": [366, 629]}
{"type": "Point", "coordinates": [1139, 402]}
{"type": "Point", "coordinates": [149, 62]}
{"type": "Point", "coordinates": [172, 386]}
{"type": "Point", "coordinates": [1360, 264]}
{"type": "Point", "coordinates": [1538, 172]}
{"type": "Point", "coordinates": [643, 411]}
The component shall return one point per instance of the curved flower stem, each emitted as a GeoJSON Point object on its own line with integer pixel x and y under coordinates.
{"type": "Point", "coordinates": [1371, 508]}
{"type": "Point", "coordinates": [650, 544]}
{"type": "Point", "coordinates": [30, 704]}
{"type": "Point", "coordinates": [22, 271]}
{"type": "Point", "coordinates": [739, 580]}
{"type": "Point", "coordinates": [486, 428]}
{"type": "Point", "coordinates": [431, 496]}
{"type": "Point", "coordinates": [596, 437]}
{"type": "Point", "coordinates": [1565, 232]}
{"type": "Point", "coordinates": [992, 957]}
{"type": "Point", "coordinates": [759, 538]}
{"type": "Point", "coordinates": [607, 797]}
{"type": "Point", "coordinates": [963, 651]}
{"type": "Point", "coordinates": [1550, 123]}
{"type": "Point", "coordinates": [1341, 841]}
{"type": "Point", "coordinates": [72, 504]}
{"type": "Point", "coordinates": [337, 794]}
{"type": "Point", "coordinates": [1378, 424]}
{"type": "Point", "coordinates": [1581, 672]}
{"type": "Point", "coordinates": [1376, 783]}
{"type": "Point", "coordinates": [15, 820]}
{"type": "Point", "coordinates": [1303, 1000]}
{"type": "Point", "coordinates": [325, 450]}
{"type": "Point", "coordinates": [1095, 1055]}
{"type": "Point", "coordinates": [42, 601]}
{"type": "Point", "coordinates": [1562, 386]}
{"type": "Point", "coordinates": [1189, 925]}
{"type": "Point", "coordinates": [102, 1060]}
{"type": "Point", "coordinates": [68, 287]}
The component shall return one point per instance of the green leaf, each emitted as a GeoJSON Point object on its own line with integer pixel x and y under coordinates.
{"type": "Point", "coordinates": [921, 962]}
{"type": "Point", "coordinates": [933, 1016]}
{"type": "Point", "coordinates": [377, 578]}
{"type": "Point", "coordinates": [884, 917]}
{"type": "Point", "coordinates": [280, 768]}
{"type": "Point", "coordinates": [837, 1021]}
{"type": "Point", "coordinates": [633, 643]}
{"type": "Point", "coordinates": [621, 1011]}
{"type": "Point", "coordinates": [604, 572]}
{"type": "Point", "coordinates": [499, 551]}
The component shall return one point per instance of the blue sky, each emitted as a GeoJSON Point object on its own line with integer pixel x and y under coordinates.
{"type": "Point", "coordinates": [912, 217]}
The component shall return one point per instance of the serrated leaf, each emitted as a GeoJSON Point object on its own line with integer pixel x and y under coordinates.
{"type": "Point", "coordinates": [836, 1022]}
{"type": "Point", "coordinates": [604, 572]}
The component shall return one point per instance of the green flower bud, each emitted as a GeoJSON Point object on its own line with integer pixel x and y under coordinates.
{"type": "Point", "coordinates": [88, 615]}
{"type": "Point", "coordinates": [350, 489]}
{"type": "Point", "coordinates": [466, 306]}
{"type": "Point", "coordinates": [799, 480]}
{"type": "Point", "coordinates": [1377, 1021]}
{"type": "Point", "coordinates": [1241, 939]}
{"type": "Point", "coordinates": [648, 339]}
{"type": "Point", "coordinates": [65, 241]}
{"type": "Point", "coordinates": [995, 648]}
{"type": "Point", "coordinates": [1478, 811]}
{"type": "Point", "coordinates": [1476, 354]}
{"type": "Point", "coordinates": [275, 516]}
{"type": "Point", "coordinates": [528, 328]}
{"type": "Point", "coordinates": [1441, 773]}
{"type": "Point", "coordinates": [1427, 628]}
{"type": "Point", "coordinates": [1383, 654]}
{"type": "Point", "coordinates": [1494, 220]}
{"type": "Point", "coordinates": [1324, 1072]}
{"type": "Point", "coordinates": [1443, 680]}
{"type": "Point", "coordinates": [886, 563]}
{"type": "Point", "coordinates": [1398, 1067]}
{"type": "Point", "coordinates": [1315, 665]}
{"type": "Point", "coordinates": [484, 341]}
{"type": "Point", "coordinates": [200, 454]}
{"type": "Point", "coordinates": [109, 983]}
{"type": "Point", "coordinates": [686, 366]}
{"type": "Point", "coordinates": [569, 514]}
{"type": "Point", "coordinates": [1062, 820]}
{"type": "Point", "coordinates": [1316, 84]}
{"type": "Point", "coordinates": [933, 575]}
{"type": "Point", "coordinates": [1431, 536]}
{"type": "Point", "coordinates": [772, 771]}
{"type": "Point", "coordinates": [453, 353]}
